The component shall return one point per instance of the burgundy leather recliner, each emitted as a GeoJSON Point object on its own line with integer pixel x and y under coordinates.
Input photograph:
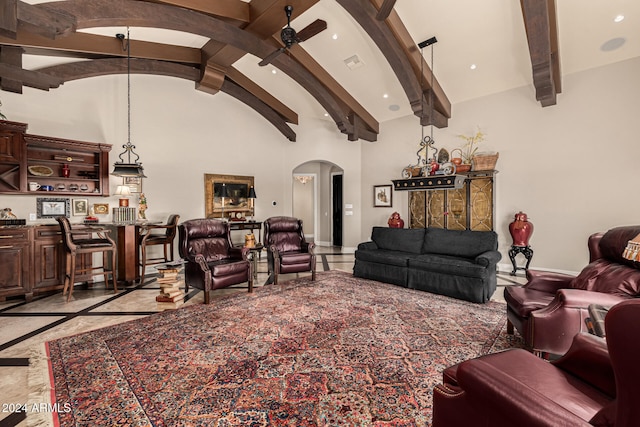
{"type": "Point", "coordinates": [551, 307]}
{"type": "Point", "coordinates": [212, 262]}
{"type": "Point", "coordinates": [287, 249]}
{"type": "Point", "coordinates": [594, 384]}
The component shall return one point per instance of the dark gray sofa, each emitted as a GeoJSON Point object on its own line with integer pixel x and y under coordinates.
{"type": "Point", "coordinates": [457, 263]}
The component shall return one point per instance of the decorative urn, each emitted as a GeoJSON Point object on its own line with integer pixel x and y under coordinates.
{"type": "Point", "coordinates": [395, 221]}
{"type": "Point", "coordinates": [521, 230]}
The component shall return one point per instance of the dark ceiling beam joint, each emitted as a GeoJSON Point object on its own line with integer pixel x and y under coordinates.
{"type": "Point", "coordinates": [541, 29]}
{"type": "Point", "coordinates": [11, 56]}
{"type": "Point", "coordinates": [43, 21]}
{"type": "Point", "coordinates": [385, 9]}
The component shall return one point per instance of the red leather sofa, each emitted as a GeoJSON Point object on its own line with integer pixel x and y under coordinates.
{"type": "Point", "coordinates": [594, 384]}
{"type": "Point", "coordinates": [551, 307]}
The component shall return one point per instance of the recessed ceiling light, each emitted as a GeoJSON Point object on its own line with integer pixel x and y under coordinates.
{"type": "Point", "coordinates": [334, 36]}
{"type": "Point", "coordinates": [273, 71]}
{"type": "Point", "coordinates": [386, 95]}
{"type": "Point", "coordinates": [394, 107]}
{"type": "Point", "coordinates": [618, 18]}
{"type": "Point", "coordinates": [326, 114]}
{"type": "Point", "coordinates": [473, 66]}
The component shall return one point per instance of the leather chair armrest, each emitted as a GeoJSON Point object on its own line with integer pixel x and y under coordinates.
{"type": "Point", "coordinates": [488, 258]}
{"type": "Point", "coordinates": [488, 394]}
{"type": "Point", "coordinates": [308, 247]}
{"type": "Point", "coordinates": [238, 252]}
{"type": "Point", "coordinates": [493, 391]}
{"type": "Point", "coordinates": [202, 263]}
{"type": "Point", "coordinates": [578, 299]}
{"type": "Point", "coordinates": [547, 281]}
{"type": "Point", "coordinates": [274, 251]}
{"type": "Point", "coordinates": [588, 359]}
{"type": "Point", "coordinates": [367, 246]}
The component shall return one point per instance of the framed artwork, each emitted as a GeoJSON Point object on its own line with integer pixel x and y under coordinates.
{"type": "Point", "coordinates": [80, 207]}
{"type": "Point", "coordinates": [101, 208]}
{"type": "Point", "coordinates": [133, 182]}
{"type": "Point", "coordinates": [382, 196]}
{"type": "Point", "coordinates": [237, 202]}
{"type": "Point", "coordinates": [51, 207]}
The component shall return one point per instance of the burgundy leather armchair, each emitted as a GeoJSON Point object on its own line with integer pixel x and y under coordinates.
{"type": "Point", "coordinates": [594, 384]}
{"type": "Point", "coordinates": [551, 307]}
{"type": "Point", "coordinates": [212, 262]}
{"type": "Point", "coordinates": [287, 249]}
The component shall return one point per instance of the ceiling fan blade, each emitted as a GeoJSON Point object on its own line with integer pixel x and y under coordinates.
{"type": "Point", "coordinates": [311, 30]}
{"type": "Point", "coordinates": [267, 59]}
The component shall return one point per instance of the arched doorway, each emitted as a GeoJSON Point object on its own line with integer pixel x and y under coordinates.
{"type": "Point", "coordinates": [317, 200]}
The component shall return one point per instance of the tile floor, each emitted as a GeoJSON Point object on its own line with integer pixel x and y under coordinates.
{"type": "Point", "coordinates": [23, 326]}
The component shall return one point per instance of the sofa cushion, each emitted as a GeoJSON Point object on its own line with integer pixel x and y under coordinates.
{"type": "Point", "coordinates": [448, 265]}
{"type": "Point", "coordinates": [464, 243]}
{"type": "Point", "coordinates": [399, 239]}
{"type": "Point", "coordinates": [382, 256]}
{"type": "Point", "coordinates": [608, 277]}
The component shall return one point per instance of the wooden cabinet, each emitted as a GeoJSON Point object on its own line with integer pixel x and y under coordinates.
{"type": "Point", "coordinates": [468, 208]}
{"type": "Point", "coordinates": [28, 158]}
{"type": "Point", "coordinates": [32, 260]}
{"type": "Point", "coordinates": [15, 262]}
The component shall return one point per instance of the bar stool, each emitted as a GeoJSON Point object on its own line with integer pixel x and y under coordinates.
{"type": "Point", "coordinates": [78, 241]}
{"type": "Point", "coordinates": [150, 238]}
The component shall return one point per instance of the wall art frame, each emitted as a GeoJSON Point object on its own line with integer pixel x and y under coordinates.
{"type": "Point", "coordinates": [383, 196]}
{"type": "Point", "coordinates": [52, 207]}
{"type": "Point", "coordinates": [80, 207]}
{"type": "Point", "coordinates": [238, 201]}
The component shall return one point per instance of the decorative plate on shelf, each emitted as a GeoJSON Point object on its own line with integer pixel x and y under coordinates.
{"type": "Point", "coordinates": [38, 170]}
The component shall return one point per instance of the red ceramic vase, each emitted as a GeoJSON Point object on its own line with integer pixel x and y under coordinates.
{"type": "Point", "coordinates": [521, 230]}
{"type": "Point", "coordinates": [395, 221]}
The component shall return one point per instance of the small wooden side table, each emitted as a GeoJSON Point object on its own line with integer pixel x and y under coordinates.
{"type": "Point", "coordinates": [256, 253]}
{"type": "Point", "coordinates": [524, 250]}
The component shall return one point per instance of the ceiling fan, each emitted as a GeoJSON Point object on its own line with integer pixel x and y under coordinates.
{"type": "Point", "coordinates": [290, 37]}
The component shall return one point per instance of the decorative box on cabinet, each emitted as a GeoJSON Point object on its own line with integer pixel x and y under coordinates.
{"type": "Point", "coordinates": [468, 208]}
{"type": "Point", "coordinates": [15, 262]}
{"type": "Point", "coordinates": [23, 157]}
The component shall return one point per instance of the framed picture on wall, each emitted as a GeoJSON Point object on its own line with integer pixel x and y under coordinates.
{"type": "Point", "coordinates": [133, 182]}
{"type": "Point", "coordinates": [235, 203]}
{"type": "Point", "coordinates": [80, 207]}
{"type": "Point", "coordinates": [51, 207]}
{"type": "Point", "coordinates": [382, 196]}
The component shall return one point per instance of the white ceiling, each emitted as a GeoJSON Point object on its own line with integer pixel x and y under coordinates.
{"type": "Point", "coordinates": [488, 33]}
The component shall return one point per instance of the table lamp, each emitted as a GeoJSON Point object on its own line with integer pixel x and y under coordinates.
{"type": "Point", "coordinates": [124, 191]}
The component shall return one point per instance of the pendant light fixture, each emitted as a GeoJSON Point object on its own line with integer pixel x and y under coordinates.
{"type": "Point", "coordinates": [427, 141]}
{"type": "Point", "coordinates": [131, 167]}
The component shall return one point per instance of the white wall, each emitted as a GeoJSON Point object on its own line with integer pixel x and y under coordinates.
{"type": "Point", "coordinates": [573, 167]}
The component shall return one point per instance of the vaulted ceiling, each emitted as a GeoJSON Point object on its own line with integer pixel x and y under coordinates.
{"type": "Point", "coordinates": [370, 48]}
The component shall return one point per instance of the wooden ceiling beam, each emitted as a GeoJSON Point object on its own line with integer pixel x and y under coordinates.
{"type": "Point", "coordinates": [230, 9]}
{"type": "Point", "coordinates": [100, 67]}
{"type": "Point", "coordinates": [34, 79]}
{"type": "Point", "coordinates": [18, 14]}
{"type": "Point", "coordinates": [90, 13]}
{"type": "Point", "coordinates": [11, 56]}
{"type": "Point", "coordinates": [420, 67]}
{"type": "Point", "coordinates": [250, 86]}
{"type": "Point", "coordinates": [86, 44]}
{"type": "Point", "coordinates": [542, 35]}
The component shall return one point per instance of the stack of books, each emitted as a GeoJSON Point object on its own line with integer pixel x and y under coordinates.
{"type": "Point", "coordinates": [171, 296]}
{"type": "Point", "coordinates": [124, 215]}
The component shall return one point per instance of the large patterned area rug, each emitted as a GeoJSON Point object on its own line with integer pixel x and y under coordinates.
{"type": "Point", "coordinates": [340, 351]}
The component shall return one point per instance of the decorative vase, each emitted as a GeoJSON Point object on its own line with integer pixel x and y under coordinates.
{"type": "Point", "coordinates": [521, 230]}
{"type": "Point", "coordinates": [65, 170]}
{"type": "Point", "coordinates": [395, 221]}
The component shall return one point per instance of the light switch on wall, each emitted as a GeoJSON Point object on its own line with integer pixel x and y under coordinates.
{"type": "Point", "coordinates": [348, 213]}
